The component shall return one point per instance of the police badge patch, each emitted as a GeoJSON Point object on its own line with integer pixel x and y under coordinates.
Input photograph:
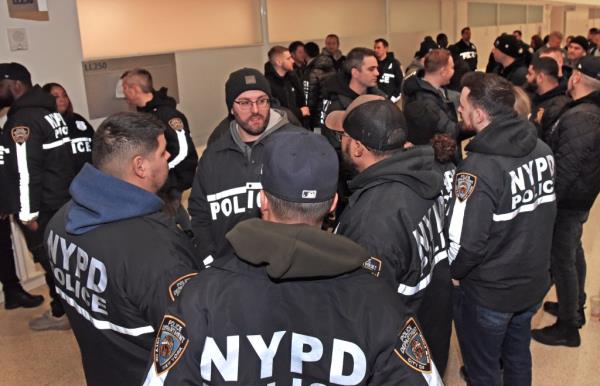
{"type": "Point", "coordinates": [176, 124]}
{"type": "Point", "coordinates": [177, 286]}
{"type": "Point", "coordinates": [464, 185]}
{"type": "Point", "coordinates": [170, 344]}
{"type": "Point", "coordinates": [20, 134]}
{"type": "Point", "coordinates": [373, 265]}
{"type": "Point", "coordinates": [412, 347]}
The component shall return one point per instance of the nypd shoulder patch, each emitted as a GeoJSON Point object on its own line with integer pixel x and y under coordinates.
{"type": "Point", "coordinates": [464, 185]}
{"type": "Point", "coordinates": [373, 265]}
{"type": "Point", "coordinates": [20, 134]}
{"type": "Point", "coordinates": [176, 287]}
{"type": "Point", "coordinates": [170, 344]}
{"type": "Point", "coordinates": [412, 348]}
{"type": "Point", "coordinates": [176, 124]}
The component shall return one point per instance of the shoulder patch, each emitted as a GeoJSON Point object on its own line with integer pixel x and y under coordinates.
{"type": "Point", "coordinates": [170, 343]}
{"type": "Point", "coordinates": [464, 185]}
{"type": "Point", "coordinates": [81, 125]}
{"type": "Point", "coordinates": [176, 124]}
{"type": "Point", "coordinates": [412, 347]}
{"type": "Point", "coordinates": [176, 287]}
{"type": "Point", "coordinates": [373, 265]}
{"type": "Point", "coordinates": [20, 134]}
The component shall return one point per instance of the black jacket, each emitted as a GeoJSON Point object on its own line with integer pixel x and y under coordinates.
{"type": "Point", "coordinates": [306, 307]}
{"type": "Point", "coordinates": [337, 57]}
{"type": "Point", "coordinates": [81, 134]}
{"type": "Point", "coordinates": [117, 262]}
{"type": "Point", "coordinates": [9, 194]}
{"type": "Point", "coordinates": [545, 109]}
{"type": "Point", "coordinates": [184, 158]}
{"type": "Point", "coordinates": [502, 216]}
{"type": "Point", "coordinates": [468, 52]}
{"type": "Point", "coordinates": [575, 139]}
{"type": "Point", "coordinates": [315, 73]}
{"type": "Point", "coordinates": [390, 76]}
{"type": "Point", "coordinates": [227, 183]}
{"type": "Point", "coordinates": [516, 73]}
{"type": "Point", "coordinates": [428, 111]}
{"type": "Point", "coordinates": [38, 160]}
{"type": "Point", "coordinates": [286, 89]}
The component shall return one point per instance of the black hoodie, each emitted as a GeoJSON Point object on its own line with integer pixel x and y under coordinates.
{"type": "Point", "coordinates": [38, 160]}
{"type": "Point", "coordinates": [286, 89]}
{"type": "Point", "coordinates": [545, 109]}
{"type": "Point", "coordinates": [184, 158]}
{"type": "Point", "coordinates": [515, 73]}
{"type": "Point", "coordinates": [396, 212]}
{"type": "Point", "coordinates": [297, 312]}
{"type": "Point", "coordinates": [390, 76]}
{"type": "Point", "coordinates": [502, 216]}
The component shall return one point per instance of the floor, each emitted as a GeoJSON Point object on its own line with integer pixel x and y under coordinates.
{"type": "Point", "coordinates": [52, 358]}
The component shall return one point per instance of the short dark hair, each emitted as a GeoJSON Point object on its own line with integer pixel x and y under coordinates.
{"type": "Point", "coordinates": [462, 31]}
{"type": "Point", "coordinates": [442, 39]}
{"type": "Point", "coordinates": [382, 41]}
{"type": "Point", "coordinates": [48, 88]}
{"type": "Point", "coordinates": [311, 49]}
{"type": "Point", "coordinates": [337, 38]}
{"type": "Point", "coordinates": [547, 66]}
{"type": "Point", "coordinates": [355, 58]}
{"type": "Point", "coordinates": [311, 212]}
{"type": "Point", "coordinates": [490, 92]}
{"type": "Point", "coordinates": [436, 59]}
{"type": "Point", "coordinates": [124, 135]}
{"type": "Point", "coordinates": [294, 45]}
{"type": "Point", "coordinates": [518, 31]}
{"type": "Point", "coordinates": [444, 147]}
{"type": "Point", "coordinates": [144, 78]}
{"type": "Point", "coordinates": [276, 51]}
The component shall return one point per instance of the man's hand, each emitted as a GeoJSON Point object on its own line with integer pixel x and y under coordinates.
{"type": "Point", "coordinates": [32, 225]}
{"type": "Point", "coordinates": [456, 283]}
{"type": "Point", "coordinates": [305, 111]}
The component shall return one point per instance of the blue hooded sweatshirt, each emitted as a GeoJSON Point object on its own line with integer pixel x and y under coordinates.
{"type": "Point", "coordinates": [98, 198]}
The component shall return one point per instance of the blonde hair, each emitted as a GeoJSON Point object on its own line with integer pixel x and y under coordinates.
{"type": "Point", "coordinates": [522, 102]}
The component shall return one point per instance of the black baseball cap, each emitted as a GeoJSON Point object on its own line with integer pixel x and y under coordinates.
{"type": "Point", "coordinates": [590, 66]}
{"type": "Point", "coordinates": [14, 71]}
{"type": "Point", "coordinates": [373, 120]}
{"type": "Point", "coordinates": [300, 167]}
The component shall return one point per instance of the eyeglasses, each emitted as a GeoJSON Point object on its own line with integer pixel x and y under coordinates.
{"type": "Point", "coordinates": [246, 104]}
{"type": "Point", "coordinates": [339, 135]}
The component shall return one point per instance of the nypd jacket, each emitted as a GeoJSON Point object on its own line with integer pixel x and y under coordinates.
{"type": "Point", "coordinates": [117, 262]}
{"type": "Point", "coordinates": [227, 183]}
{"type": "Point", "coordinates": [390, 76]}
{"type": "Point", "coordinates": [183, 159]}
{"type": "Point", "coordinates": [575, 139]}
{"type": "Point", "coordinates": [428, 111]}
{"type": "Point", "coordinates": [545, 109]}
{"type": "Point", "coordinates": [36, 139]}
{"type": "Point", "coordinates": [315, 73]}
{"type": "Point", "coordinates": [468, 52]}
{"type": "Point", "coordinates": [81, 134]}
{"type": "Point", "coordinates": [286, 89]}
{"type": "Point", "coordinates": [502, 216]}
{"type": "Point", "coordinates": [308, 315]}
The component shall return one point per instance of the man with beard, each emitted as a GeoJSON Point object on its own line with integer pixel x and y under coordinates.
{"type": "Point", "coordinates": [227, 182]}
{"type": "Point", "coordinates": [549, 96]}
{"type": "Point", "coordinates": [503, 193]}
{"type": "Point", "coordinates": [396, 212]}
{"type": "Point", "coordinates": [38, 158]}
{"type": "Point", "coordinates": [574, 140]}
{"type": "Point", "coordinates": [576, 49]}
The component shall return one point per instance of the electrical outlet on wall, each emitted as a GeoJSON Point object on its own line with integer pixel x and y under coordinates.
{"type": "Point", "coordinates": [17, 39]}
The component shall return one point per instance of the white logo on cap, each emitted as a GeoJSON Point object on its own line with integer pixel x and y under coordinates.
{"type": "Point", "coordinates": [310, 194]}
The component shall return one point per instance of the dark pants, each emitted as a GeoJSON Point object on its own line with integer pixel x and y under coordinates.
{"type": "Point", "coordinates": [487, 337]}
{"type": "Point", "coordinates": [8, 270]}
{"type": "Point", "coordinates": [35, 243]}
{"type": "Point", "coordinates": [568, 264]}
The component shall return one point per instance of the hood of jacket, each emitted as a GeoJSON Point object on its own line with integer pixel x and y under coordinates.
{"type": "Point", "coordinates": [322, 62]}
{"type": "Point", "coordinates": [412, 167]}
{"type": "Point", "coordinates": [415, 84]}
{"type": "Point", "coordinates": [34, 97]}
{"type": "Point", "coordinates": [507, 135]}
{"type": "Point", "coordinates": [293, 251]}
{"type": "Point", "coordinates": [338, 84]}
{"type": "Point", "coordinates": [160, 98]}
{"type": "Point", "coordinates": [388, 59]}
{"type": "Point", "coordinates": [98, 198]}
{"type": "Point", "coordinates": [559, 90]}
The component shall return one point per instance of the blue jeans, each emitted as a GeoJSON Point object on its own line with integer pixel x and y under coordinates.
{"type": "Point", "coordinates": [489, 338]}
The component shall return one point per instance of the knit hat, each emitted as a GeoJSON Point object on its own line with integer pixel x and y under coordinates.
{"type": "Point", "coordinates": [509, 45]}
{"type": "Point", "coordinates": [580, 40]}
{"type": "Point", "coordinates": [243, 80]}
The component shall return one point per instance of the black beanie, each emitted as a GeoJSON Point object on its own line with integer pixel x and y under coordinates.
{"type": "Point", "coordinates": [243, 80]}
{"type": "Point", "coordinates": [580, 40]}
{"type": "Point", "coordinates": [509, 45]}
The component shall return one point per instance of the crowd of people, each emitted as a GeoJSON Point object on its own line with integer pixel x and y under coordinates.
{"type": "Point", "coordinates": [336, 228]}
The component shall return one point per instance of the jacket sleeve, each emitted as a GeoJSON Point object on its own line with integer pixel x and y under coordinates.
{"type": "Point", "coordinates": [199, 209]}
{"type": "Point", "coordinates": [27, 141]}
{"type": "Point", "coordinates": [398, 78]}
{"type": "Point", "coordinates": [469, 222]}
{"type": "Point", "coordinates": [183, 156]}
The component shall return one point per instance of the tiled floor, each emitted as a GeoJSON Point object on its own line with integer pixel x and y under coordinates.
{"type": "Point", "coordinates": [52, 358]}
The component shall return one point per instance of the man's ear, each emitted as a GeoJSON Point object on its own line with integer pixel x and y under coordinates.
{"type": "Point", "coordinates": [264, 203]}
{"type": "Point", "coordinates": [334, 203]}
{"type": "Point", "coordinates": [357, 148]}
{"type": "Point", "coordinates": [139, 167]}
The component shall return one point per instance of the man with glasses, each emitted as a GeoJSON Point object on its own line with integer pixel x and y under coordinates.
{"type": "Point", "coordinates": [227, 182]}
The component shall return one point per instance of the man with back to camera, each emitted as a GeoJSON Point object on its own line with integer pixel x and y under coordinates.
{"type": "Point", "coordinates": [117, 259]}
{"type": "Point", "coordinates": [504, 191]}
{"type": "Point", "coordinates": [390, 70]}
{"type": "Point", "coordinates": [466, 49]}
{"type": "Point", "coordinates": [139, 91]}
{"type": "Point", "coordinates": [396, 212]}
{"type": "Point", "coordinates": [308, 313]}
{"type": "Point", "coordinates": [509, 54]}
{"type": "Point", "coordinates": [574, 139]}
{"type": "Point", "coordinates": [38, 159]}
{"type": "Point", "coordinates": [318, 67]}
{"type": "Point", "coordinates": [227, 179]}
{"type": "Point", "coordinates": [549, 96]}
